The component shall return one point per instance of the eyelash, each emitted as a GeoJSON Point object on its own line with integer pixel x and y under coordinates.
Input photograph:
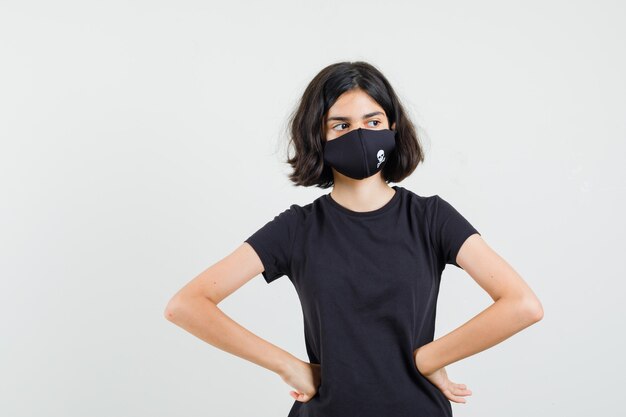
{"type": "Point", "coordinates": [377, 121]}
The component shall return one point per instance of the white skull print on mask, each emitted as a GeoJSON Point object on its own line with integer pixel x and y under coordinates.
{"type": "Point", "coordinates": [381, 157]}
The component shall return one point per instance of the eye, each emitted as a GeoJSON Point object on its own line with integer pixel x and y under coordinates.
{"type": "Point", "coordinates": [377, 121]}
{"type": "Point", "coordinates": [340, 124]}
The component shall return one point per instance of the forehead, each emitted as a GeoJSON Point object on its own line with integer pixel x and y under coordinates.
{"type": "Point", "coordinates": [354, 104]}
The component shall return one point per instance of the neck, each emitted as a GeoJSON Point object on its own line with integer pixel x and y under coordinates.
{"type": "Point", "coordinates": [361, 195]}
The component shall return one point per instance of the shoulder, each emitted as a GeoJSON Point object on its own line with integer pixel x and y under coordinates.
{"type": "Point", "coordinates": [293, 217]}
{"type": "Point", "coordinates": [433, 209]}
{"type": "Point", "coordinates": [296, 212]}
{"type": "Point", "coordinates": [420, 203]}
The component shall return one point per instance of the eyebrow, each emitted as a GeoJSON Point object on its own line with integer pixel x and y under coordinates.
{"type": "Point", "coordinates": [345, 119]}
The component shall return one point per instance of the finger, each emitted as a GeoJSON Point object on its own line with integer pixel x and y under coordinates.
{"type": "Point", "coordinates": [449, 395]}
{"type": "Point", "coordinates": [297, 396]}
{"type": "Point", "coordinates": [461, 389]}
{"type": "Point", "coordinates": [456, 399]}
{"type": "Point", "coordinates": [303, 397]}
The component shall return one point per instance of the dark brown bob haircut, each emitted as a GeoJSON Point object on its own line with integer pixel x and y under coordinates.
{"type": "Point", "coordinates": [306, 123]}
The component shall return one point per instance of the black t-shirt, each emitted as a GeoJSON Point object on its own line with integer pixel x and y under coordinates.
{"type": "Point", "coordinates": [368, 284]}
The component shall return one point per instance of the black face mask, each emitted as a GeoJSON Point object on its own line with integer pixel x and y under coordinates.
{"type": "Point", "coordinates": [360, 153]}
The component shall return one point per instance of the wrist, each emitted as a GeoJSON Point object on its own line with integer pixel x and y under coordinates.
{"type": "Point", "coordinates": [285, 364]}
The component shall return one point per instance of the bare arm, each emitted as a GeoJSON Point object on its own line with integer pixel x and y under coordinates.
{"type": "Point", "coordinates": [515, 308]}
{"type": "Point", "coordinates": [194, 308]}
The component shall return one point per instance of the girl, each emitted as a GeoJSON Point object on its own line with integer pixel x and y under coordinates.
{"type": "Point", "coordinates": [366, 261]}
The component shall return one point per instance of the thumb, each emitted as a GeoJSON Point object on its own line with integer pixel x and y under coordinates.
{"type": "Point", "coordinates": [299, 397]}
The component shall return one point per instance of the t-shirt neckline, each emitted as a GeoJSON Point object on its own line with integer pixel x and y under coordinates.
{"type": "Point", "coordinates": [389, 204]}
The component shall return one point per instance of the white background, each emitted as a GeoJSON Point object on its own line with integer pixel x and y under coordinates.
{"type": "Point", "coordinates": [141, 142]}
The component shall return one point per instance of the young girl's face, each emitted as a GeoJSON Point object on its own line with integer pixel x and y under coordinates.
{"type": "Point", "coordinates": [354, 109]}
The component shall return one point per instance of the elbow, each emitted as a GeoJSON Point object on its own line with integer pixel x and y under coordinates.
{"type": "Point", "coordinates": [178, 308]}
{"type": "Point", "coordinates": [533, 310]}
{"type": "Point", "coordinates": [172, 310]}
{"type": "Point", "coordinates": [169, 313]}
{"type": "Point", "coordinates": [538, 312]}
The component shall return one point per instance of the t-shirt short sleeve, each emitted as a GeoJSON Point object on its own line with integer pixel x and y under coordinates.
{"type": "Point", "coordinates": [449, 230]}
{"type": "Point", "coordinates": [274, 241]}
